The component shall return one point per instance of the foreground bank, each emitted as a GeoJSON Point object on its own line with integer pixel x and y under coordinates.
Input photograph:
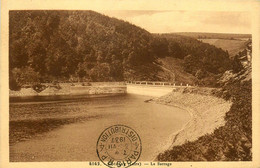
{"type": "Point", "coordinates": [207, 113]}
{"type": "Point", "coordinates": [216, 132]}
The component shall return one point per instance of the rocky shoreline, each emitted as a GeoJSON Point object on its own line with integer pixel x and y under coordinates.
{"type": "Point", "coordinates": [207, 114]}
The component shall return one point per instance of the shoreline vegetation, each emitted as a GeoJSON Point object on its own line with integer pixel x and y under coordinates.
{"type": "Point", "coordinates": [220, 128]}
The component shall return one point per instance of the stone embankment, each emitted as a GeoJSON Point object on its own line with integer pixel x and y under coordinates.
{"type": "Point", "coordinates": [73, 89]}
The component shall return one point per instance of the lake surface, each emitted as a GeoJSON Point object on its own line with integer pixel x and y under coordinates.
{"type": "Point", "coordinates": [66, 128]}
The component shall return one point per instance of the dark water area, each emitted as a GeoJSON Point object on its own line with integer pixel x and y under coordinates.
{"type": "Point", "coordinates": [33, 115]}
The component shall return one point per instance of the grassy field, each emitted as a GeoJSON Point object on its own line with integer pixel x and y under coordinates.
{"type": "Point", "coordinates": [232, 46]}
{"type": "Point", "coordinates": [204, 35]}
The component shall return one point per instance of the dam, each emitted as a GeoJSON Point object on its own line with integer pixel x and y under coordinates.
{"type": "Point", "coordinates": [155, 91]}
{"type": "Point", "coordinates": [145, 88]}
{"type": "Point", "coordinates": [148, 88]}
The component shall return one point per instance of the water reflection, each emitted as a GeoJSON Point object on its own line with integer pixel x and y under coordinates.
{"type": "Point", "coordinates": [32, 116]}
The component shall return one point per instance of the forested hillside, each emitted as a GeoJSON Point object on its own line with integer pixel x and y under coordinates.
{"type": "Point", "coordinates": [85, 44]}
{"type": "Point", "coordinates": [47, 46]}
{"type": "Point", "coordinates": [202, 60]}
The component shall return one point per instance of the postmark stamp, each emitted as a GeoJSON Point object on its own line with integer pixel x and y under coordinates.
{"type": "Point", "coordinates": [119, 146]}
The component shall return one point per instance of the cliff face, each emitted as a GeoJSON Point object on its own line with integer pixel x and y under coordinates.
{"type": "Point", "coordinates": [243, 73]}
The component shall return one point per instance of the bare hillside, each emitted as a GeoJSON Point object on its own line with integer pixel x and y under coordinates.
{"type": "Point", "coordinates": [172, 70]}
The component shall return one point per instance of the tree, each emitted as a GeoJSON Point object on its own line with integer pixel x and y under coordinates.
{"type": "Point", "coordinates": [24, 76]}
{"type": "Point", "coordinates": [160, 47]}
{"type": "Point", "coordinates": [101, 72]}
{"type": "Point", "coordinates": [175, 50]}
{"type": "Point", "coordinates": [200, 74]}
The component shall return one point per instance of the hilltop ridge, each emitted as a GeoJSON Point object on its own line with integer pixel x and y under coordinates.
{"type": "Point", "coordinates": [205, 35]}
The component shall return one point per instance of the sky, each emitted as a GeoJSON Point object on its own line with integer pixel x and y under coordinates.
{"type": "Point", "coordinates": [186, 21]}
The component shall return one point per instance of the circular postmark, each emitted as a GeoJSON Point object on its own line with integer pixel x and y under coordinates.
{"type": "Point", "coordinates": [119, 146]}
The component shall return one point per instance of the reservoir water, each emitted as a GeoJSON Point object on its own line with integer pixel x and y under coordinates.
{"type": "Point", "coordinates": [66, 128]}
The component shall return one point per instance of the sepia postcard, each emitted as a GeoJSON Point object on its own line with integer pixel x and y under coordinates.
{"type": "Point", "coordinates": [120, 83]}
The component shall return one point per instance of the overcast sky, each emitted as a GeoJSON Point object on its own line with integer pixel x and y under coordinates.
{"type": "Point", "coordinates": [186, 21]}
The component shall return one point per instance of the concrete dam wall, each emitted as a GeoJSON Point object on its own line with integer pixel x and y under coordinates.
{"type": "Point", "coordinates": [155, 91]}
{"type": "Point", "coordinates": [97, 88]}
